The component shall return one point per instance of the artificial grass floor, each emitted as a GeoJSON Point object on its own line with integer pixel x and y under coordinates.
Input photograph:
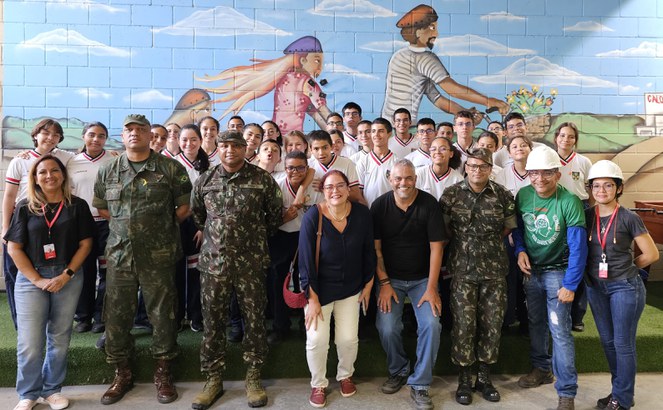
{"type": "Point", "coordinates": [287, 360]}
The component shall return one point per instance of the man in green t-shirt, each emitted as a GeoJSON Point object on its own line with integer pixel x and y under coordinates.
{"type": "Point", "coordinates": [551, 246]}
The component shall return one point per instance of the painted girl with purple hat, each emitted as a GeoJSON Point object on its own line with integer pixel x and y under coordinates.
{"type": "Point", "coordinates": [291, 77]}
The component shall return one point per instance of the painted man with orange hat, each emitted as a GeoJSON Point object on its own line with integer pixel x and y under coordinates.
{"type": "Point", "coordinates": [414, 71]}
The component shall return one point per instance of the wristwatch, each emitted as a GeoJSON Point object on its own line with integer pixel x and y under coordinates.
{"type": "Point", "coordinates": [69, 272]}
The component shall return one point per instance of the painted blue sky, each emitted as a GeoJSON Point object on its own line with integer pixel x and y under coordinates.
{"type": "Point", "coordinates": [97, 60]}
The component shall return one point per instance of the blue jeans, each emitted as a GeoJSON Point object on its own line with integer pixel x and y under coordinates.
{"type": "Point", "coordinates": [547, 316]}
{"type": "Point", "coordinates": [44, 318]}
{"type": "Point", "coordinates": [617, 307]}
{"type": "Point", "coordinates": [390, 326]}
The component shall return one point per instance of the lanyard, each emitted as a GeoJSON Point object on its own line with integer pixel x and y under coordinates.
{"type": "Point", "coordinates": [607, 228]}
{"type": "Point", "coordinates": [50, 223]}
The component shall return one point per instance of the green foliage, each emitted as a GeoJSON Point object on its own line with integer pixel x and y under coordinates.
{"type": "Point", "coordinates": [531, 103]}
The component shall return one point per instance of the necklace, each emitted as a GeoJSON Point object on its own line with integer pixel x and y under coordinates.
{"type": "Point", "coordinates": [334, 217]}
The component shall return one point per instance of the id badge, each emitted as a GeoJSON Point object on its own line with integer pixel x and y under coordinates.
{"type": "Point", "coordinates": [49, 251]}
{"type": "Point", "coordinates": [603, 270]}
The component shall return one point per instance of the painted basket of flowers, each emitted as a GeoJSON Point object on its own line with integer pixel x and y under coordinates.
{"type": "Point", "coordinates": [535, 106]}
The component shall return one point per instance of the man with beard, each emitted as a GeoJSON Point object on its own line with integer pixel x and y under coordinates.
{"type": "Point", "coordinates": [414, 71]}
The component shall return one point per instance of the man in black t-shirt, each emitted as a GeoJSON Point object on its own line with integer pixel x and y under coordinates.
{"type": "Point", "coordinates": [408, 242]}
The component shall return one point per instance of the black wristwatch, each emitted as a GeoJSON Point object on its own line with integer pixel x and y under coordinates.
{"type": "Point", "coordinates": [69, 272]}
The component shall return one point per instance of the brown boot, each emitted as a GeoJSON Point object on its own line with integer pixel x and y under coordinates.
{"type": "Point", "coordinates": [122, 383]}
{"type": "Point", "coordinates": [166, 392]}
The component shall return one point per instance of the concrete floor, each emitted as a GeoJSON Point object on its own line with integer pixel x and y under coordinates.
{"type": "Point", "coordinates": [292, 394]}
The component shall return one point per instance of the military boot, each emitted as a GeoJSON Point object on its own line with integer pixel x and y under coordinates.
{"type": "Point", "coordinates": [213, 390]}
{"type": "Point", "coordinates": [255, 393]}
{"type": "Point", "coordinates": [464, 391]}
{"type": "Point", "coordinates": [163, 379]}
{"type": "Point", "coordinates": [122, 383]}
{"type": "Point", "coordinates": [484, 385]}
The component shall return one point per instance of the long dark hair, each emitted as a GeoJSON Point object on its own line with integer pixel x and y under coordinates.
{"type": "Point", "coordinates": [90, 125]}
{"type": "Point", "coordinates": [201, 163]}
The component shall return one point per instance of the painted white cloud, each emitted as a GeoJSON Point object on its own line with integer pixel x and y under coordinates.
{"type": "Point", "coordinates": [629, 89]}
{"type": "Point", "coordinates": [649, 85]}
{"type": "Point", "coordinates": [588, 26]}
{"type": "Point", "coordinates": [502, 16]}
{"type": "Point", "coordinates": [221, 21]}
{"type": "Point", "coordinates": [644, 49]}
{"type": "Point", "coordinates": [341, 69]}
{"type": "Point", "coordinates": [88, 5]}
{"type": "Point", "coordinates": [148, 97]}
{"type": "Point", "coordinates": [473, 45]}
{"type": "Point", "coordinates": [353, 8]}
{"type": "Point", "coordinates": [537, 70]}
{"type": "Point", "coordinates": [254, 116]}
{"type": "Point", "coordinates": [384, 46]}
{"type": "Point", "coordinates": [93, 93]}
{"type": "Point", "coordinates": [71, 41]}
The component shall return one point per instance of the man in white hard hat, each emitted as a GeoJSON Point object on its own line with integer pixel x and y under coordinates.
{"type": "Point", "coordinates": [551, 246]}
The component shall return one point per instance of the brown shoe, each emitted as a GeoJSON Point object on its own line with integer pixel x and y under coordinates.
{"type": "Point", "coordinates": [122, 383]}
{"type": "Point", "coordinates": [166, 392]}
{"type": "Point", "coordinates": [536, 378]}
{"type": "Point", "coordinates": [565, 403]}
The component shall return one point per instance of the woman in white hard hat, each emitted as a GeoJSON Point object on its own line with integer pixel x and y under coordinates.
{"type": "Point", "coordinates": [614, 288]}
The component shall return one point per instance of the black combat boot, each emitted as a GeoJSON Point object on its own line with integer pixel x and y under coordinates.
{"type": "Point", "coordinates": [484, 385]}
{"type": "Point", "coordinates": [464, 391]}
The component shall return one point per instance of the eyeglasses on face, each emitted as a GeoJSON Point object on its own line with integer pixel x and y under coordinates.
{"type": "Point", "coordinates": [475, 167]}
{"type": "Point", "coordinates": [605, 187]}
{"type": "Point", "coordinates": [300, 168]}
{"type": "Point", "coordinates": [428, 131]}
{"type": "Point", "coordinates": [335, 123]}
{"type": "Point", "coordinates": [545, 174]}
{"type": "Point", "coordinates": [330, 187]}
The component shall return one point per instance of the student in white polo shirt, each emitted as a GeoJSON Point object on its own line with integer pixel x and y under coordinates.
{"type": "Point", "coordinates": [364, 139]}
{"type": "Point", "coordinates": [352, 117]}
{"type": "Point", "coordinates": [403, 142]}
{"type": "Point", "coordinates": [375, 168]}
{"type": "Point", "coordinates": [425, 135]}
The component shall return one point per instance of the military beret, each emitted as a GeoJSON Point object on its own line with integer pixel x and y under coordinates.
{"type": "Point", "coordinates": [420, 16]}
{"type": "Point", "coordinates": [483, 154]}
{"type": "Point", "coordinates": [231, 136]}
{"type": "Point", "coordinates": [135, 119]}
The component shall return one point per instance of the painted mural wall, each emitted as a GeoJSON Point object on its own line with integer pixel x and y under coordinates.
{"type": "Point", "coordinates": [597, 63]}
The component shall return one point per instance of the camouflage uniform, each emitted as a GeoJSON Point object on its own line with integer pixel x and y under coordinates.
{"type": "Point", "coordinates": [142, 248]}
{"type": "Point", "coordinates": [237, 212]}
{"type": "Point", "coordinates": [478, 263]}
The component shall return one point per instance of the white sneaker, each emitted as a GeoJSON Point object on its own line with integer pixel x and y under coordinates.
{"type": "Point", "coordinates": [25, 404]}
{"type": "Point", "coordinates": [57, 401]}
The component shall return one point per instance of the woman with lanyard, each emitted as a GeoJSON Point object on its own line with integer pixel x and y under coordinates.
{"type": "Point", "coordinates": [83, 171]}
{"type": "Point", "coordinates": [45, 135]}
{"type": "Point", "coordinates": [49, 238]}
{"type": "Point", "coordinates": [615, 290]}
{"type": "Point", "coordinates": [187, 277]}
{"type": "Point", "coordinates": [575, 168]}
{"type": "Point", "coordinates": [338, 281]}
{"type": "Point", "coordinates": [209, 129]}
{"type": "Point", "coordinates": [173, 141]}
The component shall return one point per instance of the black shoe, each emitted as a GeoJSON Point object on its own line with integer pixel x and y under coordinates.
{"type": "Point", "coordinates": [393, 384]}
{"type": "Point", "coordinates": [464, 390]}
{"type": "Point", "coordinates": [604, 402]}
{"type": "Point", "coordinates": [421, 399]}
{"type": "Point", "coordinates": [101, 342]}
{"type": "Point", "coordinates": [98, 327]}
{"type": "Point", "coordinates": [487, 390]}
{"type": "Point", "coordinates": [82, 327]}
{"type": "Point", "coordinates": [276, 337]}
{"type": "Point", "coordinates": [578, 327]}
{"type": "Point", "coordinates": [196, 327]}
{"type": "Point", "coordinates": [236, 334]}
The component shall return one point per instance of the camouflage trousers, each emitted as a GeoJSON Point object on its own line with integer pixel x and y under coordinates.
{"type": "Point", "coordinates": [215, 297]}
{"type": "Point", "coordinates": [120, 305]}
{"type": "Point", "coordinates": [478, 312]}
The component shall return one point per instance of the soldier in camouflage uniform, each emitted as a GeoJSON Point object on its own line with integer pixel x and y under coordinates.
{"type": "Point", "coordinates": [238, 206]}
{"type": "Point", "coordinates": [478, 213]}
{"type": "Point", "coordinates": [143, 195]}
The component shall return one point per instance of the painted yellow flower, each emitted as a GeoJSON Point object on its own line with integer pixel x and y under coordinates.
{"type": "Point", "coordinates": [524, 107]}
{"type": "Point", "coordinates": [553, 91]}
{"type": "Point", "coordinates": [535, 88]}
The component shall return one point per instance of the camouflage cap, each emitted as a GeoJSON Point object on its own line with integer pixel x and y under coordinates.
{"type": "Point", "coordinates": [231, 136]}
{"type": "Point", "coordinates": [483, 154]}
{"type": "Point", "coordinates": [135, 119]}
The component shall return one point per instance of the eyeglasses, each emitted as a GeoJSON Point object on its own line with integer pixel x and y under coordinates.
{"type": "Point", "coordinates": [335, 123]}
{"type": "Point", "coordinates": [464, 124]}
{"type": "Point", "coordinates": [427, 132]}
{"type": "Point", "coordinates": [436, 149]}
{"type": "Point", "coordinates": [495, 128]}
{"type": "Point", "coordinates": [352, 114]}
{"type": "Point", "coordinates": [547, 174]}
{"type": "Point", "coordinates": [402, 121]}
{"type": "Point", "coordinates": [300, 168]}
{"type": "Point", "coordinates": [606, 187]}
{"type": "Point", "coordinates": [517, 125]}
{"type": "Point", "coordinates": [475, 167]}
{"type": "Point", "coordinates": [330, 188]}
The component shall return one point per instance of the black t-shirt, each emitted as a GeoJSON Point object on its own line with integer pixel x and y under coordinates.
{"type": "Point", "coordinates": [74, 224]}
{"type": "Point", "coordinates": [406, 236]}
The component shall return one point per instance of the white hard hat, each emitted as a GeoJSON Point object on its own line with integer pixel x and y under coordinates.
{"type": "Point", "coordinates": [605, 169]}
{"type": "Point", "coordinates": [543, 157]}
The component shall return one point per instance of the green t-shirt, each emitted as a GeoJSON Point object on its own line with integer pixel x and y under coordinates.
{"type": "Point", "coordinates": [545, 222]}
